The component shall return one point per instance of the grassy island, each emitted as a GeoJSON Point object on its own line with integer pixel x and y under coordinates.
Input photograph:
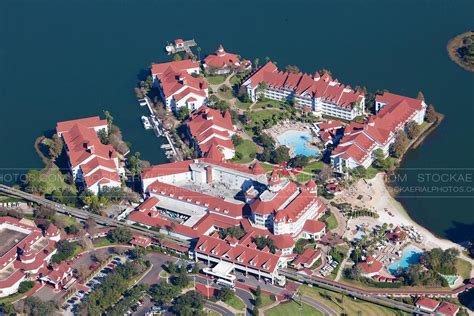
{"type": "Point", "coordinates": [461, 50]}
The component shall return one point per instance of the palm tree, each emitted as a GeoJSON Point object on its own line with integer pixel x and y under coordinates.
{"type": "Point", "coordinates": [199, 52]}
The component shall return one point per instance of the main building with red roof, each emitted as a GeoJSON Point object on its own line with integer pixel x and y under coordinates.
{"type": "Point", "coordinates": [321, 93]}
{"type": "Point", "coordinates": [179, 84]}
{"type": "Point", "coordinates": [25, 253]}
{"type": "Point", "coordinates": [222, 62]}
{"type": "Point", "coordinates": [360, 140]}
{"type": "Point", "coordinates": [94, 164]}
{"type": "Point", "coordinates": [212, 130]}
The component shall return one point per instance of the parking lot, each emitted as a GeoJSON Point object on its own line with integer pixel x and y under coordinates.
{"type": "Point", "coordinates": [71, 305]}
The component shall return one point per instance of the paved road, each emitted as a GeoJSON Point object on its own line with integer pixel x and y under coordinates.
{"type": "Point", "coordinates": [319, 306]}
{"type": "Point", "coordinates": [247, 298]}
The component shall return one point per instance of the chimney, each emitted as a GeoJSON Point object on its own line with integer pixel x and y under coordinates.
{"type": "Point", "coordinates": [91, 149]}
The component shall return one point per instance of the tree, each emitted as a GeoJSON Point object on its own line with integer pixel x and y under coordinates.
{"type": "Point", "coordinates": [109, 118]}
{"type": "Point", "coordinates": [180, 280]}
{"type": "Point", "coordinates": [163, 293]}
{"type": "Point", "coordinates": [171, 267]}
{"type": "Point", "coordinates": [237, 140]}
{"type": "Point", "coordinates": [266, 140]}
{"type": "Point", "coordinates": [188, 303]}
{"type": "Point", "coordinates": [400, 145]}
{"type": "Point", "coordinates": [65, 251]}
{"type": "Point", "coordinates": [199, 49]}
{"type": "Point", "coordinates": [103, 136]}
{"type": "Point", "coordinates": [281, 154]}
{"type": "Point", "coordinates": [255, 311]}
{"type": "Point", "coordinates": [55, 147]}
{"type": "Point", "coordinates": [379, 158]}
{"type": "Point", "coordinates": [177, 57]}
{"type": "Point", "coordinates": [233, 231]}
{"type": "Point", "coordinates": [36, 307]}
{"type": "Point", "coordinates": [7, 309]}
{"type": "Point", "coordinates": [33, 182]}
{"type": "Point", "coordinates": [430, 115]}
{"type": "Point", "coordinates": [226, 294]}
{"type": "Point", "coordinates": [299, 161]}
{"type": "Point", "coordinates": [413, 130]}
{"type": "Point", "coordinates": [25, 286]}
{"type": "Point", "coordinates": [44, 212]}
{"type": "Point", "coordinates": [292, 69]}
{"type": "Point", "coordinates": [420, 96]}
{"type": "Point", "coordinates": [120, 235]}
{"type": "Point", "coordinates": [256, 62]}
{"type": "Point", "coordinates": [183, 113]}
{"type": "Point", "coordinates": [263, 242]}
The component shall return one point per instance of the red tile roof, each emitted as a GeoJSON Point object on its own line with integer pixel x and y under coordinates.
{"type": "Point", "coordinates": [447, 309]}
{"type": "Point", "coordinates": [307, 257]}
{"type": "Point", "coordinates": [222, 59]}
{"type": "Point", "coordinates": [370, 265]}
{"type": "Point", "coordinates": [313, 226]}
{"type": "Point", "coordinates": [427, 303]}
{"type": "Point", "coordinates": [243, 255]}
{"type": "Point", "coordinates": [140, 240]}
{"type": "Point", "coordinates": [305, 85]}
{"type": "Point", "coordinates": [158, 69]}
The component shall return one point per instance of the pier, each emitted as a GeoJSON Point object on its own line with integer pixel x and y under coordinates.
{"type": "Point", "coordinates": [179, 46]}
{"type": "Point", "coordinates": [159, 130]}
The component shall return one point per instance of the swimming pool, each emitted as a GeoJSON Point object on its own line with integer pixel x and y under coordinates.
{"type": "Point", "coordinates": [298, 140]}
{"type": "Point", "coordinates": [410, 255]}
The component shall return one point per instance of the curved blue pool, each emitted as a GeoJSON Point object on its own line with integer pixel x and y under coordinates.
{"type": "Point", "coordinates": [298, 140]}
{"type": "Point", "coordinates": [410, 255]}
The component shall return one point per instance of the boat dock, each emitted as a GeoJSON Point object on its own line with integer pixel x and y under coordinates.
{"type": "Point", "coordinates": [179, 46]}
{"type": "Point", "coordinates": [159, 131]}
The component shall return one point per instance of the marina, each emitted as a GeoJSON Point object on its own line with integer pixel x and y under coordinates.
{"type": "Point", "coordinates": [153, 122]}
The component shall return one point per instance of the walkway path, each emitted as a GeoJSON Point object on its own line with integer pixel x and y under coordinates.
{"type": "Point", "coordinates": [342, 265]}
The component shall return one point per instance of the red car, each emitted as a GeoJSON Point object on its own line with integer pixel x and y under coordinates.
{"type": "Point", "coordinates": [111, 265]}
{"type": "Point", "coordinates": [92, 267]}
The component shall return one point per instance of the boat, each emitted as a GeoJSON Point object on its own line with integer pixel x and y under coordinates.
{"type": "Point", "coordinates": [142, 102]}
{"type": "Point", "coordinates": [146, 122]}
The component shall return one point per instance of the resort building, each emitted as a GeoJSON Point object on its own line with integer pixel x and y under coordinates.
{"type": "Point", "coordinates": [360, 140]}
{"type": "Point", "coordinates": [327, 131]}
{"type": "Point", "coordinates": [222, 62]}
{"type": "Point", "coordinates": [370, 267]}
{"type": "Point", "coordinates": [92, 164]}
{"type": "Point", "coordinates": [447, 309]}
{"type": "Point", "coordinates": [211, 132]}
{"type": "Point", "coordinates": [190, 198]}
{"type": "Point", "coordinates": [25, 253]}
{"type": "Point", "coordinates": [320, 93]}
{"type": "Point", "coordinates": [232, 255]}
{"type": "Point", "coordinates": [307, 258]}
{"type": "Point", "coordinates": [426, 304]}
{"type": "Point", "coordinates": [180, 84]}
{"type": "Point", "coordinates": [284, 207]}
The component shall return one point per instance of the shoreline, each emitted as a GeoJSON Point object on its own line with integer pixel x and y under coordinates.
{"type": "Point", "coordinates": [453, 45]}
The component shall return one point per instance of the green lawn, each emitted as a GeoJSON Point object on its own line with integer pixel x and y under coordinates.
{"type": "Point", "coordinates": [352, 307]}
{"type": "Point", "coordinates": [225, 92]}
{"type": "Point", "coordinates": [242, 105]}
{"type": "Point", "coordinates": [102, 242]}
{"type": "Point", "coordinates": [236, 303]}
{"type": "Point", "coordinates": [266, 300]}
{"type": "Point", "coordinates": [293, 308]}
{"type": "Point", "coordinates": [371, 172]}
{"type": "Point", "coordinates": [463, 268]}
{"type": "Point", "coordinates": [259, 116]}
{"type": "Point", "coordinates": [246, 149]}
{"type": "Point", "coordinates": [54, 180]}
{"type": "Point", "coordinates": [215, 80]}
{"type": "Point", "coordinates": [331, 221]}
{"type": "Point", "coordinates": [268, 167]}
{"type": "Point", "coordinates": [267, 104]}
{"type": "Point", "coordinates": [312, 168]}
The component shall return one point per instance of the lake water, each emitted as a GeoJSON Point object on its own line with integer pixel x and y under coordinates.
{"type": "Point", "coordinates": [67, 59]}
{"type": "Point", "coordinates": [298, 141]}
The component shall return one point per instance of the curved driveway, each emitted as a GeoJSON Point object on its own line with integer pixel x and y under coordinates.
{"type": "Point", "coordinates": [319, 306]}
{"type": "Point", "coordinates": [247, 298]}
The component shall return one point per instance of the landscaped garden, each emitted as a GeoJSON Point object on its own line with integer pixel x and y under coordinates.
{"type": "Point", "coordinates": [245, 152]}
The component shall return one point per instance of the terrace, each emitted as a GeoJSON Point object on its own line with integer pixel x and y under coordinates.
{"type": "Point", "coordinates": [10, 238]}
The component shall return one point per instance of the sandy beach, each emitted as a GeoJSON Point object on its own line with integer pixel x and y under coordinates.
{"type": "Point", "coordinates": [376, 197]}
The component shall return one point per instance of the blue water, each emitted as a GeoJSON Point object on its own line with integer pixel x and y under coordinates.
{"type": "Point", "coordinates": [410, 255]}
{"type": "Point", "coordinates": [298, 140]}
